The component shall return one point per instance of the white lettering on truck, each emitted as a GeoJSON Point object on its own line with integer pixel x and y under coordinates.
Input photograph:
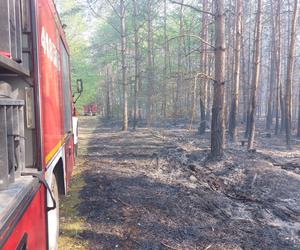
{"type": "Point", "coordinates": [50, 49]}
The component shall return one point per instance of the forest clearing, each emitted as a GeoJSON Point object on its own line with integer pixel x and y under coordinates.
{"type": "Point", "coordinates": [155, 189]}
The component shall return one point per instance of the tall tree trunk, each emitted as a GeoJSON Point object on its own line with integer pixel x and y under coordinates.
{"type": "Point", "coordinates": [136, 64]}
{"type": "Point", "coordinates": [245, 90]}
{"type": "Point", "coordinates": [277, 29]}
{"type": "Point", "coordinates": [290, 73]}
{"type": "Point", "coordinates": [255, 77]}
{"type": "Point", "coordinates": [124, 68]}
{"type": "Point", "coordinates": [286, 47]}
{"type": "Point", "coordinates": [237, 66]}
{"type": "Point", "coordinates": [273, 59]}
{"type": "Point", "coordinates": [278, 60]}
{"type": "Point", "coordinates": [203, 67]}
{"type": "Point", "coordinates": [165, 63]}
{"type": "Point", "coordinates": [218, 109]}
{"type": "Point", "coordinates": [149, 63]}
{"type": "Point", "coordinates": [269, 119]}
{"type": "Point", "coordinates": [249, 74]}
{"type": "Point", "coordinates": [230, 40]}
{"type": "Point", "coordinates": [179, 78]}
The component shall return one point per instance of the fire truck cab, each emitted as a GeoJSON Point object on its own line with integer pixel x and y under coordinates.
{"type": "Point", "coordinates": [38, 129]}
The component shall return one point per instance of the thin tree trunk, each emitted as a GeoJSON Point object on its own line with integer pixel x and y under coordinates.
{"type": "Point", "coordinates": [179, 78]}
{"type": "Point", "coordinates": [165, 63]}
{"type": "Point", "coordinates": [136, 64]}
{"type": "Point", "coordinates": [277, 110]}
{"type": "Point", "coordinates": [218, 121]}
{"type": "Point", "coordinates": [194, 98]}
{"type": "Point", "coordinates": [255, 77]}
{"type": "Point", "coordinates": [249, 76]}
{"type": "Point", "coordinates": [278, 68]}
{"type": "Point", "coordinates": [203, 67]}
{"type": "Point", "coordinates": [290, 73]}
{"type": "Point", "coordinates": [124, 68]}
{"type": "Point", "coordinates": [237, 66]}
{"type": "Point", "coordinates": [149, 62]}
{"type": "Point", "coordinates": [245, 92]}
{"type": "Point", "coordinates": [282, 108]}
{"type": "Point", "coordinates": [210, 60]}
{"type": "Point", "coordinates": [269, 119]}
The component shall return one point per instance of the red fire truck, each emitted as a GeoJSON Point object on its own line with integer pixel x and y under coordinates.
{"type": "Point", "coordinates": [38, 130]}
{"type": "Point", "coordinates": [90, 109]}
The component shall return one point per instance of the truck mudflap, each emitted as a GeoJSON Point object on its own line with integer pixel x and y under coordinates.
{"type": "Point", "coordinates": [26, 226]}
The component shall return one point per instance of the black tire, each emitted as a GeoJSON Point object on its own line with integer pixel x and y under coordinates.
{"type": "Point", "coordinates": [53, 217]}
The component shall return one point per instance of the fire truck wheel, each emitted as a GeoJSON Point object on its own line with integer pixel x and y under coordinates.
{"type": "Point", "coordinates": [53, 217]}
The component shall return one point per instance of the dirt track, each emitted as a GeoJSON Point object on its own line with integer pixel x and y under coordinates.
{"type": "Point", "coordinates": [155, 190]}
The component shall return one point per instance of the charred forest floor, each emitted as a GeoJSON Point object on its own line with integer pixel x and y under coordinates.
{"type": "Point", "coordinates": [155, 189]}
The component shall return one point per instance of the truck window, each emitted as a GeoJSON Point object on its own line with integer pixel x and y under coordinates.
{"type": "Point", "coordinates": [66, 88]}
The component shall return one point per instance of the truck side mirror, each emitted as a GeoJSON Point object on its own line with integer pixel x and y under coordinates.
{"type": "Point", "coordinates": [79, 84]}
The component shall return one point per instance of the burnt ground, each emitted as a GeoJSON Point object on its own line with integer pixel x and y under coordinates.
{"type": "Point", "coordinates": [155, 189]}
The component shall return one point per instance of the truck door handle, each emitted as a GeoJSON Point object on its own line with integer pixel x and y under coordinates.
{"type": "Point", "coordinates": [43, 181]}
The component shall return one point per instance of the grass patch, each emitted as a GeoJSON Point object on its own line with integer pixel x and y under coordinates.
{"type": "Point", "coordinates": [71, 224]}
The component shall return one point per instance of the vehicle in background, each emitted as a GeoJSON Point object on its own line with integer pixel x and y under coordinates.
{"type": "Point", "coordinates": [90, 109]}
{"type": "Point", "coordinates": [38, 129]}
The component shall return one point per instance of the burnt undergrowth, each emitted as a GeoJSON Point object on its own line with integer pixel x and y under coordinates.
{"type": "Point", "coordinates": [154, 189]}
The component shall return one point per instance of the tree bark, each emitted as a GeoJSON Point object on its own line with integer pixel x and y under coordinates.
{"type": "Point", "coordinates": [165, 63]}
{"type": "Point", "coordinates": [273, 43]}
{"type": "Point", "coordinates": [248, 76]}
{"type": "Point", "coordinates": [136, 64]}
{"type": "Point", "coordinates": [255, 77]}
{"type": "Point", "coordinates": [149, 63]}
{"type": "Point", "coordinates": [218, 121]}
{"type": "Point", "coordinates": [277, 29]}
{"type": "Point", "coordinates": [203, 67]}
{"type": "Point", "coordinates": [290, 73]}
{"type": "Point", "coordinates": [124, 68]}
{"type": "Point", "coordinates": [245, 85]}
{"type": "Point", "coordinates": [237, 67]}
{"type": "Point", "coordinates": [194, 97]}
{"type": "Point", "coordinates": [269, 119]}
{"type": "Point", "coordinates": [179, 78]}
{"type": "Point", "coordinates": [278, 104]}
